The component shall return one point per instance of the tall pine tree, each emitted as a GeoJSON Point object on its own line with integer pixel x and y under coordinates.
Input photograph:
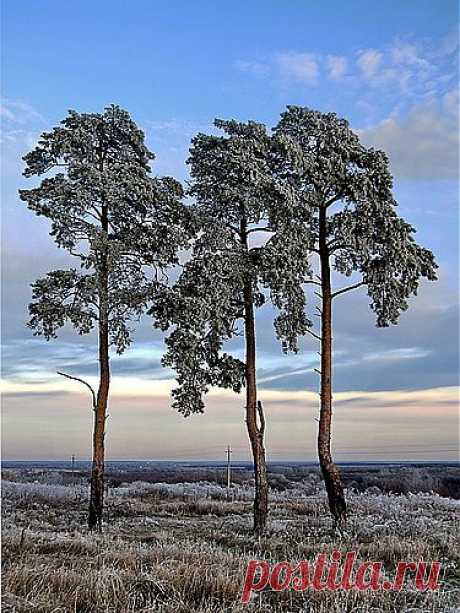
{"type": "Point", "coordinates": [228, 277]}
{"type": "Point", "coordinates": [123, 227]}
{"type": "Point", "coordinates": [343, 196]}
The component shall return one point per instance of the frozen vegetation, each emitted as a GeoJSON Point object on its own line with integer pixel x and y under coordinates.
{"type": "Point", "coordinates": [183, 547]}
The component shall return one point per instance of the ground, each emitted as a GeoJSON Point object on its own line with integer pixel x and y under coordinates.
{"type": "Point", "coordinates": [183, 548]}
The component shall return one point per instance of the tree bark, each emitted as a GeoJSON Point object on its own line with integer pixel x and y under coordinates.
{"type": "Point", "coordinates": [253, 409]}
{"type": "Point", "coordinates": [329, 470]}
{"type": "Point", "coordinates": [96, 501]}
{"type": "Point", "coordinates": [255, 426]}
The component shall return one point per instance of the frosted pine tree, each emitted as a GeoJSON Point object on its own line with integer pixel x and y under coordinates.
{"type": "Point", "coordinates": [228, 277]}
{"type": "Point", "coordinates": [123, 227]}
{"type": "Point", "coordinates": [343, 194]}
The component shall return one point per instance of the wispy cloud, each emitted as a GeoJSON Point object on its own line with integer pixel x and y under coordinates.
{"type": "Point", "coordinates": [337, 66]}
{"type": "Point", "coordinates": [298, 66]}
{"type": "Point", "coordinates": [369, 62]}
{"type": "Point", "coordinates": [18, 112]}
{"type": "Point", "coordinates": [260, 69]}
{"type": "Point", "coordinates": [407, 54]}
{"type": "Point", "coordinates": [395, 355]}
{"type": "Point", "coordinates": [409, 68]}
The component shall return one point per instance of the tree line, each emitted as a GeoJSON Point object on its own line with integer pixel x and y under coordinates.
{"type": "Point", "coordinates": [267, 216]}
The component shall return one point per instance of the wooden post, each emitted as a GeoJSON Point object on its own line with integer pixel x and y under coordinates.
{"type": "Point", "coordinates": [229, 469]}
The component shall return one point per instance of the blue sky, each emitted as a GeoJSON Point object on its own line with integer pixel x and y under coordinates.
{"type": "Point", "coordinates": [391, 68]}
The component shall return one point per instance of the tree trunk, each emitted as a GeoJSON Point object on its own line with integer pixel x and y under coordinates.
{"type": "Point", "coordinates": [254, 408]}
{"type": "Point", "coordinates": [329, 470]}
{"type": "Point", "coordinates": [96, 501]}
{"type": "Point", "coordinates": [256, 429]}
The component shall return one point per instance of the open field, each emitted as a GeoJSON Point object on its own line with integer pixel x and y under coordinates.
{"type": "Point", "coordinates": [183, 547]}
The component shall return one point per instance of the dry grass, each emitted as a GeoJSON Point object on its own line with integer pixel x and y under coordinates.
{"type": "Point", "coordinates": [161, 552]}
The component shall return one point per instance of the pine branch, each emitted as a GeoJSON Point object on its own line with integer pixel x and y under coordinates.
{"type": "Point", "coordinates": [259, 230]}
{"type": "Point", "coordinates": [347, 289]}
{"type": "Point", "coordinates": [93, 394]}
{"type": "Point", "coordinates": [311, 333]}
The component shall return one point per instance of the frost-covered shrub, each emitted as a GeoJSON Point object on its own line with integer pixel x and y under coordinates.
{"type": "Point", "coordinates": [204, 490]}
{"type": "Point", "coordinates": [41, 492]}
{"type": "Point", "coordinates": [186, 491]}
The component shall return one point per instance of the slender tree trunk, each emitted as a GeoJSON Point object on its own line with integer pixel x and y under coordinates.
{"type": "Point", "coordinates": [96, 501]}
{"type": "Point", "coordinates": [254, 410]}
{"type": "Point", "coordinates": [329, 470]}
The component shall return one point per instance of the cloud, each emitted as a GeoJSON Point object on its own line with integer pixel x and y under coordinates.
{"type": "Point", "coordinates": [337, 65]}
{"type": "Point", "coordinates": [408, 68]}
{"type": "Point", "coordinates": [298, 66]}
{"type": "Point", "coordinates": [396, 355]}
{"type": "Point", "coordinates": [407, 54]}
{"type": "Point", "coordinates": [404, 66]}
{"type": "Point", "coordinates": [21, 126]}
{"type": "Point", "coordinates": [259, 69]}
{"type": "Point", "coordinates": [451, 101]}
{"type": "Point", "coordinates": [6, 113]}
{"type": "Point", "coordinates": [369, 62]}
{"type": "Point", "coordinates": [423, 144]}
{"type": "Point", "coordinates": [403, 357]}
{"type": "Point", "coordinates": [448, 45]}
{"type": "Point", "coordinates": [289, 66]}
{"type": "Point", "coordinates": [177, 128]}
{"type": "Point", "coordinates": [19, 112]}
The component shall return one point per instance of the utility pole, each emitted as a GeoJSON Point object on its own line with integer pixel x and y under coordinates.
{"type": "Point", "coordinates": [229, 467]}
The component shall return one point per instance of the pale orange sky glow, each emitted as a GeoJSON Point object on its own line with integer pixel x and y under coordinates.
{"type": "Point", "coordinates": [389, 425]}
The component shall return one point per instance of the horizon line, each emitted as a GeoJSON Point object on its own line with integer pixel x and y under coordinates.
{"type": "Point", "coordinates": [241, 461]}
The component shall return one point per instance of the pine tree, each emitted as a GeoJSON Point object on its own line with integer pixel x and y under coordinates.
{"type": "Point", "coordinates": [123, 227]}
{"type": "Point", "coordinates": [343, 194]}
{"type": "Point", "coordinates": [227, 278]}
